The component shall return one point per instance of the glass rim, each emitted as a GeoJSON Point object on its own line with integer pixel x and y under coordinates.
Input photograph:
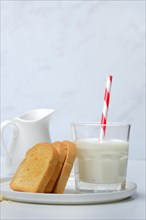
{"type": "Point", "coordinates": [98, 124]}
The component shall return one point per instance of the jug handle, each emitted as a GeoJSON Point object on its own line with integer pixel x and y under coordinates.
{"type": "Point", "coordinates": [4, 124]}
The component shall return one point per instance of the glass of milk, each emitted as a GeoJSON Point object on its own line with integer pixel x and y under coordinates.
{"type": "Point", "coordinates": [101, 165]}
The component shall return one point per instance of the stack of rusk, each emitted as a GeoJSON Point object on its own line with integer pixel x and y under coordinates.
{"type": "Point", "coordinates": [45, 168]}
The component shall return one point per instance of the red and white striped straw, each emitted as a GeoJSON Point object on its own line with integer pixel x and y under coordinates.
{"type": "Point", "coordinates": [105, 106]}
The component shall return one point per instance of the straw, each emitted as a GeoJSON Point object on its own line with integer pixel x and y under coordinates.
{"type": "Point", "coordinates": [105, 106]}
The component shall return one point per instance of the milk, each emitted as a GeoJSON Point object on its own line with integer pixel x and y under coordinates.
{"type": "Point", "coordinates": [103, 162]}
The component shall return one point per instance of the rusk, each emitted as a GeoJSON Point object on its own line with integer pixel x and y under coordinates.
{"type": "Point", "coordinates": [36, 169]}
{"type": "Point", "coordinates": [62, 154]}
{"type": "Point", "coordinates": [67, 167]}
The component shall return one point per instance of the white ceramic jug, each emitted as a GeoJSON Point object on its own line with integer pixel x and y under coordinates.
{"type": "Point", "coordinates": [29, 129]}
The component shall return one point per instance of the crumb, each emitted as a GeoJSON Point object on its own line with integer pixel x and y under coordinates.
{"type": "Point", "coordinates": [9, 201]}
{"type": "Point", "coordinates": [1, 198]}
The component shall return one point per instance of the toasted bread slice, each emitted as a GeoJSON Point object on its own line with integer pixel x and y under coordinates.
{"type": "Point", "coordinates": [36, 169]}
{"type": "Point", "coordinates": [62, 154]}
{"type": "Point", "coordinates": [67, 167]}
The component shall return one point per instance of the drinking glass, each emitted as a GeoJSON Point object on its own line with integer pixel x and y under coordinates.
{"type": "Point", "coordinates": [101, 164]}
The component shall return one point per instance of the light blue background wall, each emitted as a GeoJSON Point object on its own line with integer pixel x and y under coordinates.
{"type": "Point", "coordinates": [58, 54]}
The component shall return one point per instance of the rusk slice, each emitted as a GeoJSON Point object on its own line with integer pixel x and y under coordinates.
{"type": "Point", "coordinates": [62, 154]}
{"type": "Point", "coordinates": [36, 169]}
{"type": "Point", "coordinates": [67, 167]}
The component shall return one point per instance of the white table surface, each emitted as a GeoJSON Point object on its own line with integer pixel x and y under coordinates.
{"type": "Point", "coordinates": [132, 208]}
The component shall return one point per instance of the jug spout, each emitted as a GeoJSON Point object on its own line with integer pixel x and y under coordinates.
{"type": "Point", "coordinates": [36, 115]}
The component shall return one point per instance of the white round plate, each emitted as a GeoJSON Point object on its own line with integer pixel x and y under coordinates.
{"type": "Point", "coordinates": [69, 197]}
